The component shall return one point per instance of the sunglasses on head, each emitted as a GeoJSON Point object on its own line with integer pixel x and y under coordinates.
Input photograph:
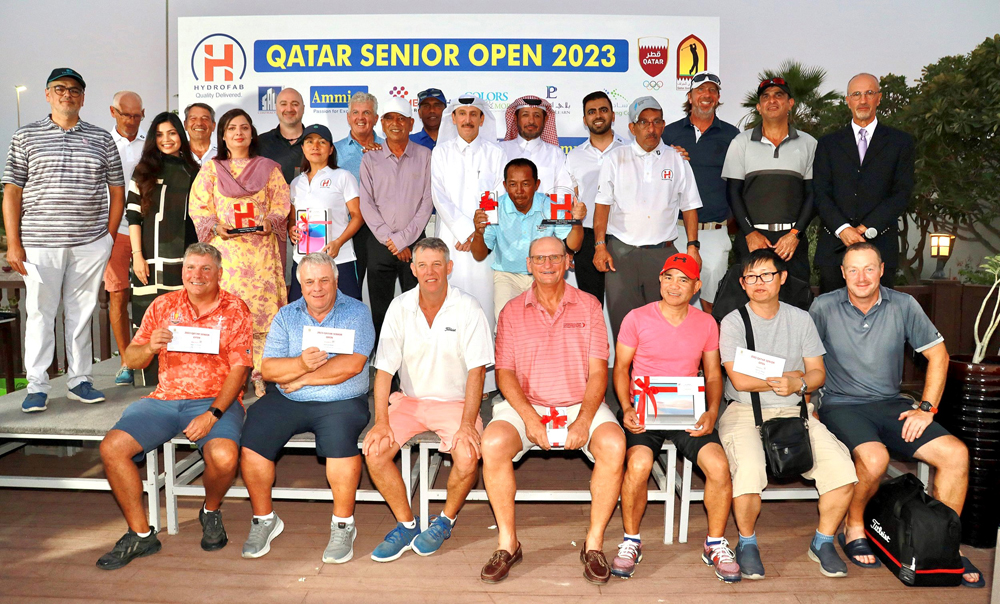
{"type": "Point", "coordinates": [703, 77]}
{"type": "Point", "coordinates": [429, 93]}
{"type": "Point", "coordinates": [774, 82]}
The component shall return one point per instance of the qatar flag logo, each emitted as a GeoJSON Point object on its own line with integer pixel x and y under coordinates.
{"type": "Point", "coordinates": [653, 54]}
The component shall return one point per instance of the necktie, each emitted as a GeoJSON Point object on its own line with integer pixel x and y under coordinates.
{"type": "Point", "coordinates": [863, 145]}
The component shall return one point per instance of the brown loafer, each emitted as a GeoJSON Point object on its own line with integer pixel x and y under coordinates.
{"type": "Point", "coordinates": [499, 565]}
{"type": "Point", "coordinates": [595, 566]}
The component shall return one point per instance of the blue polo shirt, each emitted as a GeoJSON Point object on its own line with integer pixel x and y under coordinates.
{"type": "Point", "coordinates": [707, 155]}
{"type": "Point", "coordinates": [864, 352]}
{"type": "Point", "coordinates": [422, 138]}
{"type": "Point", "coordinates": [350, 153]}
{"type": "Point", "coordinates": [284, 340]}
{"type": "Point", "coordinates": [511, 239]}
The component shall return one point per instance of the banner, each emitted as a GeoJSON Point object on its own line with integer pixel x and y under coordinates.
{"type": "Point", "coordinates": [245, 62]}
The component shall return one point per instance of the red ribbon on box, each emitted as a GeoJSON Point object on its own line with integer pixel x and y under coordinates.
{"type": "Point", "coordinates": [302, 225]}
{"type": "Point", "coordinates": [645, 389]}
{"type": "Point", "coordinates": [557, 420]}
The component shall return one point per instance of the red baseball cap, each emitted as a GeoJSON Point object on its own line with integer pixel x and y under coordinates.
{"type": "Point", "coordinates": [685, 264]}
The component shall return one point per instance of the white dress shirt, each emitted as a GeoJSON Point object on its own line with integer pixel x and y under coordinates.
{"type": "Point", "coordinates": [548, 158]}
{"type": "Point", "coordinates": [433, 361]}
{"type": "Point", "coordinates": [213, 149]}
{"type": "Point", "coordinates": [130, 153]}
{"type": "Point", "coordinates": [869, 130]}
{"type": "Point", "coordinates": [584, 166]}
{"type": "Point", "coordinates": [646, 191]}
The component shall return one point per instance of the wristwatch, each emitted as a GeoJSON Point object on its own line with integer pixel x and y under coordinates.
{"type": "Point", "coordinates": [597, 243]}
{"type": "Point", "coordinates": [803, 388]}
{"type": "Point", "coordinates": [216, 412]}
{"type": "Point", "coordinates": [871, 233]}
{"type": "Point", "coordinates": [927, 406]}
{"type": "Point", "coordinates": [695, 243]}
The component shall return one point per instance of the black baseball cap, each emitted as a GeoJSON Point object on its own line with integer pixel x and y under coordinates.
{"type": "Point", "coordinates": [65, 72]}
{"type": "Point", "coordinates": [430, 93]}
{"type": "Point", "coordinates": [319, 129]}
{"type": "Point", "coordinates": [779, 82]}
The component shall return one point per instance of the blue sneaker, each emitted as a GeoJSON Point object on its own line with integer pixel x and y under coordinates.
{"type": "Point", "coordinates": [85, 393]}
{"type": "Point", "coordinates": [431, 540]}
{"type": "Point", "coordinates": [396, 542]}
{"type": "Point", "coordinates": [124, 377]}
{"type": "Point", "coordinates": [748, 557]}
{"type": "Point", "coordinates": [35, 402]}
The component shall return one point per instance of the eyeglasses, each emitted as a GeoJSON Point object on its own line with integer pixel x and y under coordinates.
{"type": "Point", "coordinates": [868, 94]}
{"type": "Point", "coordinates": [700, 79]}
{"type": "Point", "coordinates": [552, 258]}
{"type": "Point", "coordinates": [60, 90]}
{"type": "Point", "coordinates": [131, 116]}
{"type": "Point", "coordinates": [647, 123]}
{"type": "Point", "coordinates": [763, 278]}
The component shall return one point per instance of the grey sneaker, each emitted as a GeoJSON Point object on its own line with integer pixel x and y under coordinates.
{"type": "Point", "coordinates": [340, 549]}
{"type": "Point", "coordinates": [262, 533]}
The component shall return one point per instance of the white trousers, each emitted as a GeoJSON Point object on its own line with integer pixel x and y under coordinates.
{"type": "Point", "coordinates": [74, 276]}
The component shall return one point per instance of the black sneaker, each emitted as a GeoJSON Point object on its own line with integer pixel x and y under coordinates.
{"type": "Point", "coordinates": [213, 534]}
{"type": "Point", "coordinates": [128, 548]}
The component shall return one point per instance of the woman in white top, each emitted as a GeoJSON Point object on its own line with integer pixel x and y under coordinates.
{"type": "Point", "coordinates": [327, 211]}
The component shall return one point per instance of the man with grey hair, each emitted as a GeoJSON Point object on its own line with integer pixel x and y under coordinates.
{"type": "Point", "coordinates": [362, 115]}
{"type": "Point", "coordinates": [199, 393]}
{"type": "Point", "coordinates": [316, 364]}
{"type": "Point", "coordinates": [126, 109]}
{"type": "Point", "coordinates": [199, 122]}
{"type": "Point", "coordinates": [436, 337]}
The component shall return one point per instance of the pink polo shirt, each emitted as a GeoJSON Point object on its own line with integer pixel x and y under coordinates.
{"type": "Point", "coordinates": [551, 354]}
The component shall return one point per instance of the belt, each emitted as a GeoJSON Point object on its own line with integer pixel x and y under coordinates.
{"type": "Point", "coordinates": [706, 226]}
{"type": "Point", "coordinates": [774, 226]}
{"type": "Point", "coordinates": [652, 246]}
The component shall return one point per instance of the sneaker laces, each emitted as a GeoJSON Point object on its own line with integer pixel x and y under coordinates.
{"type": "Point", "coordinates": [398, 533]}
{"type": "Point", "coordinates": [213, 521]}
{"type": "Point", "coordinates": [721, 553]}
{"type": "Point", "coordinates": [257, 529]}
{"type": "Point", "coordinates": [339, 536]}
{"type": "Point", "coordinates": [628, 549]}
{"type": "Point", "coordinates": [438, 528]}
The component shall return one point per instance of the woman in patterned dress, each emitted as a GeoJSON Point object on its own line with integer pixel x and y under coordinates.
{"type": "Point", "coordinates": [240, 190]}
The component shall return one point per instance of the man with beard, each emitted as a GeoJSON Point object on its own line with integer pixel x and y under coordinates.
{"type": "Point", "coordinates": [705, 138]}
{"type": "Point", "coordinates": [531, 134]}
{"type": "Point", "coordinates": [584, 165]}
{"type": "Point", "coordinates": [284, 143]}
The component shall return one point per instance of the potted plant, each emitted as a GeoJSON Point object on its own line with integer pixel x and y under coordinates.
{"type": "Point", "coordinates": [971, 411]}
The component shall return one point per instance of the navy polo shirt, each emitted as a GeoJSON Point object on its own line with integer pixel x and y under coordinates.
{"type": "Point", "coordinates": [707, 155]}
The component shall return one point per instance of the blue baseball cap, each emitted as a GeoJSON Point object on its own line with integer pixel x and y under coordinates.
{"type": "Point", "coordinates": [319, 129]}
{"type": "Point", "coordinates": [430, 93]}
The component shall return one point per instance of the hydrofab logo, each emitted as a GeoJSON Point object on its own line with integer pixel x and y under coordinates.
{"type": "Point", "coordinates": [218, 58]}
{"type": "Point", "coordinates": [267, 98]}
{"type": "Point", "coordinates": [332, 97]}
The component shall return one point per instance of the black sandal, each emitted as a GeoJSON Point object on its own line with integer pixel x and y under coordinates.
{"type": "Point", "coordinates": [969, 567]}
{"type": "Point", "coordinates": [858, 547]}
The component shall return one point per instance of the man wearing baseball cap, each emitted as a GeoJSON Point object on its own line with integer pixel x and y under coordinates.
{"type": "Point", "coordinates": [430, 108]}
{"type": "Point", "coordinates": [396, 204]}
{"type": "Point", "coordinates": [64, 195]}
{"type": "Point", "coordinates": [694, 345]}
{"type": "Point", "coordinates": [769, 170]}
{"type": "Point", "coordinates": [640, 191]}
{"type": "Point", "coordinates": [705, 138]}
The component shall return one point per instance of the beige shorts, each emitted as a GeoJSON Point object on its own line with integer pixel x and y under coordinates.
{"type": "Point", "coordinates": [832, 464]}
{"type": "Point", "coordinates": [116, 272]}
{"type": "Point", "coordinates": [506, 287]}
{"type": "Point", "coordinates": [503, 412]}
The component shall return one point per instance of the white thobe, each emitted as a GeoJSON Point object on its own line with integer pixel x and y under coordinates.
{"type": "Point", "coordinates": [548, 158]}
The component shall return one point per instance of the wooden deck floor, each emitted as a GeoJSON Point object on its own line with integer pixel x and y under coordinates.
{"type": "Point", "coordinates": [49, 541]}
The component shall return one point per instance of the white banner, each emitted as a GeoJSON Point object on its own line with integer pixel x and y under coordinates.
{"type": "Point", "coordinates": [244, 62]}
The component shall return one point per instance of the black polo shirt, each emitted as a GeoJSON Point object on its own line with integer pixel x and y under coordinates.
{"type": "Point", "coordinates": [287, 153]}
{"type": "Point", "coordinates": [707, 154]}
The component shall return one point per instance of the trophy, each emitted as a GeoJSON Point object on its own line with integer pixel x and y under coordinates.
{"type": "Point", "coordinates": [244, 219]}
{"type": "Point", "coordinates": [561, 208]}
{"type": "Point", "coordinates": [489, 204]}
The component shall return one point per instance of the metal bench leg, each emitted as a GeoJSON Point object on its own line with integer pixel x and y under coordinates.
{"type": "Point", "coordinates": [668, 505]}
{"type": "Point", "coordinates": [924, 474]}
{"type": "Point", "coordinates": [169, 461]}
{"type": "Point", "coordinates": [404, 467]}
{"type": "Point", "coordinates": [682, 536]}
{"type": "Point", "coordinates": [424, 479]}
{"type": "Point", "coordinates": [153, 489]}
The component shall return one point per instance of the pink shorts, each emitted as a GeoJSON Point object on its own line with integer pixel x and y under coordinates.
{"type": "Point", "coordinates": [116, 273]}
{"type": "Point", "coordinates": [410, 416]}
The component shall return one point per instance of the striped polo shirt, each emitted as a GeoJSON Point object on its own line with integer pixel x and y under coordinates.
{"type": "Point", "coordinates": [65, 175]}
{"type": "Point", "coordinates": [550, 355]}
{"type": "Point", "coordinates": [774, 178]}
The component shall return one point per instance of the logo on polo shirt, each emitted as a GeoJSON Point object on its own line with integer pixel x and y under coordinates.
{"type": "Point", "coordinates": [574, 325]}
{"type": "Point", "coordinates": [267, 98]}
{"type": "Point", "coordinates": [324, 183]}
{"type": "Point", "coordinates": [667, 175]}
{"type": "Point", "coordinates": [218, 58]}
{"type": "Point", "coordinates": [450, 329]}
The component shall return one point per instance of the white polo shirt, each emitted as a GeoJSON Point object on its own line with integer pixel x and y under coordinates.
{"type": "Point", "coordinates": [130, 153]}
{"type": "Point", "coordinates": [584, 165]}
{"type": "Point", "coordinates": [325, 199]}
{"type": "Point", "coordinates": [433, 361]}
{"type": "Point", "coordinates": [548, 158]}
{"type": "Point", "coordinates": [646, 191]}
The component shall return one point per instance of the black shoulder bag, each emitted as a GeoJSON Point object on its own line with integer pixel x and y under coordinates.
{"type": "Point", "coordinates": [786, 439]}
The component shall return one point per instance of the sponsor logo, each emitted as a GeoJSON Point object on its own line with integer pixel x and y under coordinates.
{"type": "Point", "coordinates": [324, 183]}
{"type": "Point", "coordinates": [692, 57]}
{"type": "Point", "coordinates": [574, 325]}
{"type": "Point", "coordinates": [652, 84]}
{"type": "Point", "coordinates": [267, 98]}
{"type": "Point", "coordinates": [618, 101]}
{"type": "Point", "coordinates": [450, 329]}
{"type": "Point", "coordinates": [653, 52]}
{"type": "Point", "coordinates": [399, 92]}
{"type": "Point", "coordinates": [878, 529]}
{"type": "Point", "coordinates": [497, 100]}
{"type": "Point", "coordinates": [218, 58]}
{"type": "Point", "coordinates": [667, 175]}
{"type": "Point", "coordinates": [332, 97]}
{"type": "Point", "coordinates": [550, 92]}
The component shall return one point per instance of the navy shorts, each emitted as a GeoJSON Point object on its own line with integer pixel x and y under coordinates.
{"type": "Point", "coordinates": [274, 419]}
{"type": "Point", "coordinates": [687, 445]}
{"type": "Point", "coordinates": [152, 422]}
{"type": "Point", "coordinates": [876, 422]}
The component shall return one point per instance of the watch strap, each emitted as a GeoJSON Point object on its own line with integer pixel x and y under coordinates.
{"type": "Point", "coordinates": [216, 412]}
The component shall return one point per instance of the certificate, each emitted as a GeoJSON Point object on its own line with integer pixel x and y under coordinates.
{"type": "Point", "coordinates": [193, 339]}
{"type": "Point", "coordinates": [668, 403]}
{"type": "Point", "coordinates": [757, 364]}
{"type": "Point", "coordinates": [328, 339]}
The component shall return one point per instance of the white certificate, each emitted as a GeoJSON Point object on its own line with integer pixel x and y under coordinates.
{"type": "Point", "coordinates": [193, 339]}
{"type": "Point", "coordinates": [757, 364]}
{"type": "Point", "coordinates": [32, 271]}
{"type": "Point", "coordinates": [491, 216]}
{"type": "Point", "coordinates": [328, 339]}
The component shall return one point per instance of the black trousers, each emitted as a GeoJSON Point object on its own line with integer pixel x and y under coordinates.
{"type": "Point", "coordinates": [361, 239]}
{"type": "Point", "coordinates": [383, 270]}
{"type": "Point", "coordinates": [830, 278]}
{"type": "Point", "coordinates": [588, 278]}
{"type": "Point", "coordinates": [798, 266]}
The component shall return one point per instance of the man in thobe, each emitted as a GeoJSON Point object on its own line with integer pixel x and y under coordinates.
{"type": "Point", "coordinates": [531, 134]}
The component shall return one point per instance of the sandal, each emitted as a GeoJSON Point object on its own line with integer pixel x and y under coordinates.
{"type": "Point", "coordinates": [969, 567]}
{"type": "Point", "coordinates": [858, 547]}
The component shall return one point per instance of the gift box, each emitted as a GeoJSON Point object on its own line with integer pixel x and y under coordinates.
{"type": "Point", "coordinates": [668, 403]}
{"type": "Point", "coordinates": [556, 427]}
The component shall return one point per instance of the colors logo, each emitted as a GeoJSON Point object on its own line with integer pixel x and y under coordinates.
{"type": "Point", "coordinates": [218, 58]}
{"type": "Point", "coordinates": [332, 97]}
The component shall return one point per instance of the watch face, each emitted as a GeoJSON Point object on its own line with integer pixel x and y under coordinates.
{"type": "Point", "coordinates": [871, 233]}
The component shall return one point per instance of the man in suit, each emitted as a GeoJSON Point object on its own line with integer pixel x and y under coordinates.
{"type": "Point", "coordinates": [862, 180]}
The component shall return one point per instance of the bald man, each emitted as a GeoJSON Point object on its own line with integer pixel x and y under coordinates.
{"type": "Point", "coordinates": [284, 143]}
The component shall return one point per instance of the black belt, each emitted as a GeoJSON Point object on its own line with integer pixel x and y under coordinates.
{"type": "Point", "coordinates": [652, 246]}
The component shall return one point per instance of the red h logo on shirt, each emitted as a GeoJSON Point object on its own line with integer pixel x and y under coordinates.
{"type": "Point", "coordinates": [225, 63]}
{"type": "Point", "coordinates": [668, 175]}
{"type": "Point", "coordinates": [324, 183]}
{"type": "Point", "coordinates": [244, 216]}
{"type": "Point", "coordinates": [565, 206]}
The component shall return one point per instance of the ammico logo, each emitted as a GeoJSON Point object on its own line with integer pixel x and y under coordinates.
{"type": "Point", "coordinates": [218, 58]}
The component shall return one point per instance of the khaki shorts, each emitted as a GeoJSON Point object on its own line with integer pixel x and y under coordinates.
{"type": "Point", "coordinates": [503, 412]}
{"type": "Point", "coordinates": [506, 287]}
{"type": "Point", "coordinates": [116, 272]}
{"type": "Point", "coordinates": [832, 464]}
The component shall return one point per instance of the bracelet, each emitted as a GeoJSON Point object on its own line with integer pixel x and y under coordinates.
{"type": "Point", "coordinates": [597, 243]}
{"type": "Point", "coordinates": [136, 252]}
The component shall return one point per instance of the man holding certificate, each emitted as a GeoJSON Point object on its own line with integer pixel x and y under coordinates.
{"type": "Point", "coordinates": [203, 338]}
{"type": "Point", "coordinates": [437, 339]}
{"type": "Point", "coordinates": [694, 343]}
{"type": "Point", "coordinates": [552, 368]}
{"type": "Point", "coordinates": [786, 362]}
{"type": "Point", "coordinates": [316, 366]}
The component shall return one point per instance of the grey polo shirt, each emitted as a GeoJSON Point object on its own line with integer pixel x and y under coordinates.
{"type": "Point", "coordinates": [864, 352]}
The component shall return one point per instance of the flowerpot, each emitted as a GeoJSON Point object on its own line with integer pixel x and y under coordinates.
{"type": "Point", "coordinates": [971, 411]}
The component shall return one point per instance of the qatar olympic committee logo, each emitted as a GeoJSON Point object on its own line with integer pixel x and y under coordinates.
{"type": "Point", "coordinates": [652, 84]}
{"type": "Point", "coordinates": [218, 58]}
